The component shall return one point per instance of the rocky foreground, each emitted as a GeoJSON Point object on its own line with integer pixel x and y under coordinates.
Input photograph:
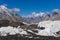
{"type": "Point", "coordinates": [15, 37]}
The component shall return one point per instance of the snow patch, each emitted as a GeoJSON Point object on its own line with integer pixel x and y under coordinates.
{"type": "Point", "coordinates": [11, 31]}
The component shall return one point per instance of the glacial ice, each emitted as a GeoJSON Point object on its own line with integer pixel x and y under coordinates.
{"type": "Point", "coordinates": [11, 31]}
{"type": "Point", "coordinates": [51, 27]}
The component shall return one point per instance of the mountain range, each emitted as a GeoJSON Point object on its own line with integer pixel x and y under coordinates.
{"type": "Point", "coordinates": [36, 18]}
{"type": "Point", "coordinates": [6, 14]}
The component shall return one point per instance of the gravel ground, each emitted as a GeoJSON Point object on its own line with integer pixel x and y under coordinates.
{"type": "Point", "coordinates": [15, 37]}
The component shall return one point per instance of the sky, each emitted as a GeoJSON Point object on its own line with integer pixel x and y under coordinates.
{"type": "Point", "coordinates": [28, 6]}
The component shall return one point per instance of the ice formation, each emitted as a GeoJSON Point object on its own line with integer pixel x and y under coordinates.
{"type": "Point", "coordinates": [51, 27]}
{"type": "Point", "coordinates": [11, 31]}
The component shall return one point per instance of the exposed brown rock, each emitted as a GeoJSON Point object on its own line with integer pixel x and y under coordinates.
{"type": "Point", "coordinates": [4, 23]}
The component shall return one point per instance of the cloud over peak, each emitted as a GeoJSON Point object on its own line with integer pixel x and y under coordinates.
{"type": "Point", "coordinates": [16, 9]}
{"type": "Point", "coordinates": [4, 6]}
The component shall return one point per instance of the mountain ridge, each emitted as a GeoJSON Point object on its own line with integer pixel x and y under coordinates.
{"type": "Point", "coordinates": [6, 14]}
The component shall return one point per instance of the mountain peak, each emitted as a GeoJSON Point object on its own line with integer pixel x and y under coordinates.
{"type": "Point", "coordinates": [3, 7]}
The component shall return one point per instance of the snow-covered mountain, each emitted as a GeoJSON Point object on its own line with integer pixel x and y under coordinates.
{"type": "Point", "coordinates": [6, 14]}
{"type": "Point", "coordinates": [42, 16]}
{"type": "Point", "coordinates": [55, 14]}
{"type": "Point", "coordinates": [36, 18]}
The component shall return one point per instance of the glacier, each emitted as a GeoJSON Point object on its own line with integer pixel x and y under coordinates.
{"type": "Point", "coordinates": [51, 28]}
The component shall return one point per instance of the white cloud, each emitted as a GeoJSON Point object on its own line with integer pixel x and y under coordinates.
{"type": "Point", "coordinates": [16, 9]}
{"type": "Point", "coordinates": [4, 6]}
